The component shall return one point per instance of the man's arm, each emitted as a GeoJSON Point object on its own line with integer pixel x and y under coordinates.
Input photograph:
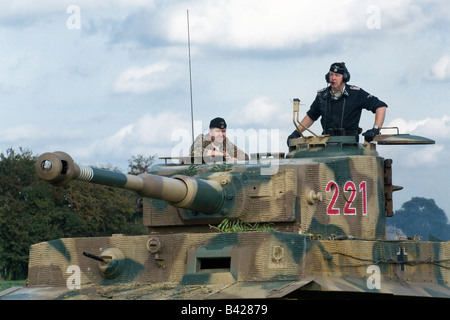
{"type": "Point", "coordinates": [233, 152]}
{"type": "Point", "coordinates": [196, 149]}
{"type": "Point", "coordinates": [306, 122]}
{"type": "Point", "coordinates": [380, 114]}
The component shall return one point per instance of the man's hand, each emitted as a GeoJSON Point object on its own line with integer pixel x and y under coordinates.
{"type": "Point", "coordinates": [225, 156]}
{"type": "Point", "coordinates": [370, 134]}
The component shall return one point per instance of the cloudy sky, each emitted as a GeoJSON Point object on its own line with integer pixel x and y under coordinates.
{"type": "Point", "coordinates": [108, 79]}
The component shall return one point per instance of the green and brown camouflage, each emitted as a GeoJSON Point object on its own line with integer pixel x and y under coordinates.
{"type": "Point", "coordinates": [313, 221]}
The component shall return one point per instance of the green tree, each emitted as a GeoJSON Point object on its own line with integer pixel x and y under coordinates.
{"type": "Point", "coordinates": [421, 217]}
{"type": "Point", "coordinates": [139, 164]}
{"type": "Point", "coordinates": [16, 175]}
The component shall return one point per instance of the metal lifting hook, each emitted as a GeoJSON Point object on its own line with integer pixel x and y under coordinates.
{"type": "Point", "coordinates": [296, 120]}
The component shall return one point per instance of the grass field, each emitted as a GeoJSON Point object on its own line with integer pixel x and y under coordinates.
{"type": "Point", "coordinates": [7, 284]}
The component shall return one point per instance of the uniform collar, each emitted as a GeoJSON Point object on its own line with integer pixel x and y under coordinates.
{"type": "Point", "coordinates": [327, 92]}
{"type": "Point", "coordinates": [207, 138]}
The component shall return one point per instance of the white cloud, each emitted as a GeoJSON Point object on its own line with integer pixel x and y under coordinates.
{"type": "Point", "coordinates": [433, 128]}
{"type": "Point", "coordinates": [431, 155]}
{"type": "Point", "coordinates": [141, 80]}
{"type": "Point", "coordinates": [421, 156]}
{"type": "Point", "coordinates": [258, 23]}
{"type": "Point", "coordinates": [150, 134]}
{"type": "Point", "coordinates": [440, 70]}
{"type": "Point", "coordinates": [261, 112]}
{"type": "Point", "coordinates": [40, 6]}
{"type": "Point", "coordinates": [250, 24]}
{"type": "Point", "coordinates": [268, 24]}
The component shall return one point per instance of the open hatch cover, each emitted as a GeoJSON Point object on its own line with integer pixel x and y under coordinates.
{"type": "Point", "coordinates": [393, 139]}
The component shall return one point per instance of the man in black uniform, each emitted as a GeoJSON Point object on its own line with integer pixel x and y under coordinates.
{"type": "Point", "coordinates": [340, 106]}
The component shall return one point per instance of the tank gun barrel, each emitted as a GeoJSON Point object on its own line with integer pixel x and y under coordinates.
{"type": "Point", "coordinates": [58, 168]}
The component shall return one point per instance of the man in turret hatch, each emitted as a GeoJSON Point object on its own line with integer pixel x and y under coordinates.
{"type": "Point", "coordinates": [340, 105]}
{"type": "Point", "coordinates": [215, 146]}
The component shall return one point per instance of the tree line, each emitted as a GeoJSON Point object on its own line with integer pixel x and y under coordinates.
{"type": "Point", "coordinates": [33, 211]}
{"type": "Point", "coordinates": [420, 217]}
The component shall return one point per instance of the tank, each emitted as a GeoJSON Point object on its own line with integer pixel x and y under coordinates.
{"type": "Point", "coordinates": [311, 222]}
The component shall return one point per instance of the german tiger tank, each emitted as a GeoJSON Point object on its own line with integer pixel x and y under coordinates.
{"type": "Point", "coordinates": [311, 222]}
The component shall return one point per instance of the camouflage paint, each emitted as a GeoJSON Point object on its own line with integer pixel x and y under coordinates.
{"type": "Point", "coordinates": [322, 239]}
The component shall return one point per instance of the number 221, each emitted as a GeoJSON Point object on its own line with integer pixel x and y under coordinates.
{"type": "Point", "coordinates": [348, 187]}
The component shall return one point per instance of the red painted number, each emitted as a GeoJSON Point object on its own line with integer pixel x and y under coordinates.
{"type": "Point", "coordinates": [350, 193]}
{"type": "Point", "coordinates": [332, 186]}
{"type": "Point", "coordinates": [362, 189]}
{"type": "Point", "coordinates": [350, 187]}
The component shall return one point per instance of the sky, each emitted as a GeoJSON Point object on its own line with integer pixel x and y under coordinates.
{"type": "Point", "coordinates": [107, 80]}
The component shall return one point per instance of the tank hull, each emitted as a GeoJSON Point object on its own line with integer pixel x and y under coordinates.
{"type": "Point", "coordinates": [241, 265]}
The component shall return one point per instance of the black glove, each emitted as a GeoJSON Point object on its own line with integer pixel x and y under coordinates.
{"type": "Point", "coordinates": [370, 134]}
{"type": "Point", "coordinates": [293, 135]}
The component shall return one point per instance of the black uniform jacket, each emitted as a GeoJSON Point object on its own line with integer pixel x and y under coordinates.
{"type": "Point", "coordinates": [341, 116]}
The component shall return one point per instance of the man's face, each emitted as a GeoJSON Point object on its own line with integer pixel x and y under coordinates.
{"type": "Point", "coordinates": [217, 135]}
{"type": "Point", "coordinates": [336, 81]}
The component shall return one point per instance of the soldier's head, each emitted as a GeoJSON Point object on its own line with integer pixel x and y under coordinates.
{"type": "Point", "coordinates": [217, 130]}
{"type": "Point", "coordinates": [338, 75]}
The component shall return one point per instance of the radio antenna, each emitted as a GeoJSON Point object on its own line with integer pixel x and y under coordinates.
{"type": "Point", "coordinates": [190, 76]}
